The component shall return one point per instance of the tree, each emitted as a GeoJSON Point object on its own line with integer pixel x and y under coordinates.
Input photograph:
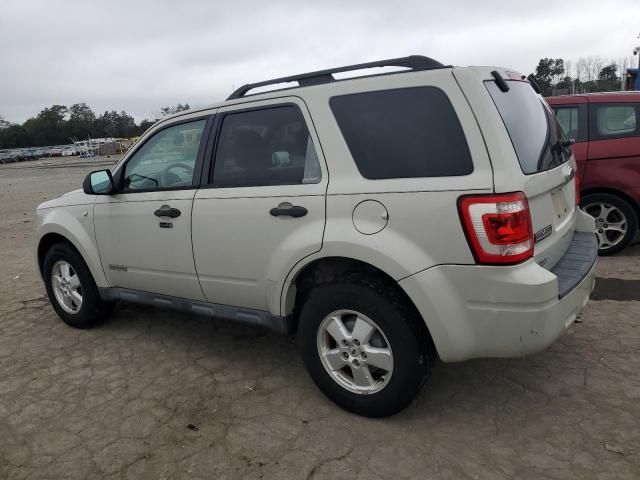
{"type": "Point", "coordinates": [164, 111]}
{"type": "Point", "coordinates": [548, 72]}
{"type": "Point", "coordinates": [145, 125]}
{"type": "Point", "coordinates": [14, 136]}
{"type": "Point", "coordinates": [48, 127]}
{"type": "Point", "coordinates": [81, 121]}
{"type": "Point", "coordinates": [593, 67]}
{"type": "Point", "coordinates": [608, 78]}
{"type": "Point", "coordinates": [609, 73]}
{"type": "Point", "coordinates": [4, 123]}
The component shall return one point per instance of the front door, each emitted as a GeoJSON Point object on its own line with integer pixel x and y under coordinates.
{"type": "Point", "coordinates": [264, 207]}
{"type": "Point", "coordinates": [144, 230]}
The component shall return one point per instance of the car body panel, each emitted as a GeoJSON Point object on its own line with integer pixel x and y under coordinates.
{"type": "Point", "coordinates": [611, 165]}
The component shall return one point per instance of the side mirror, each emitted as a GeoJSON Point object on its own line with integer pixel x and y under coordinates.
{"type": "Point", "coordinates": [99, 182]}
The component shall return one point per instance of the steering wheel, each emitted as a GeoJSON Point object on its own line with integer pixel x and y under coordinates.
{"type": "Point", "coordinates": [169, 178]}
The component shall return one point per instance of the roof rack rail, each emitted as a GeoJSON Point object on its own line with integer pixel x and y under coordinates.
{"type": "Point", "coordinates": [413, 62]}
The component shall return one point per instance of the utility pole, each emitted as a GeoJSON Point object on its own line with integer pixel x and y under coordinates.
{"type": "Point", "coordinates": [635, 52]}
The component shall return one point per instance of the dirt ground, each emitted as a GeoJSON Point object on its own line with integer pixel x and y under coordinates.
{"type": "Point", "coordinates": [153, 394]}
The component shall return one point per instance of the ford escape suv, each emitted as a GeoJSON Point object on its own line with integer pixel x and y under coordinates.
{"type": "Point", "coordinates": [388, 220]}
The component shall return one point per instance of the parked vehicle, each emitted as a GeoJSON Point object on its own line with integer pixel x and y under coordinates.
{"type": "Point", "coordinates": [387, 220]}
{"type": "Point", "coordinates": [606, 130]}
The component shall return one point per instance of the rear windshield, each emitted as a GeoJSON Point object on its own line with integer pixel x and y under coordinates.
{"type": "Point", "coordinates": [534, 130]}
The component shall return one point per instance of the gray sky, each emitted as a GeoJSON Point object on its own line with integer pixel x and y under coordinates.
{"type": "Point", "coordinates": [141, 55]}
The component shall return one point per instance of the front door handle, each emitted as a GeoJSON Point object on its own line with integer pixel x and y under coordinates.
{"type": "Point", "coordinates": [288, 211]}
{"type": "Point", "coordinates": [167, 211]}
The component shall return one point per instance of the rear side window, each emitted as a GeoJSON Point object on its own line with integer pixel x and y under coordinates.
{"type": "Point", "coordinates": [615, 120]}
{"type": "Point", "coordinates": [268, 146]}
{"type": "Point", "coordinates": [403, 133]}
{"type": "Point", "coordinates": [535, 133]}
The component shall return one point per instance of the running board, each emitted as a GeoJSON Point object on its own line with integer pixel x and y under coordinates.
{"type": "Point", "coordinates": [245, 316]}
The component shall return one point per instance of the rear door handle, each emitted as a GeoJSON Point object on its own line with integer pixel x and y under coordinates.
{"type": "Point", "coordinates": [167, 211]}
{"type": "Point", "coordinates": [292, 211]}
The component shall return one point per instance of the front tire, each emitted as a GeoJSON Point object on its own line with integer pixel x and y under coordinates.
{"type": "Point", "coordinates": [616, 221]}
{"type": "Point", "coordinates": [71, 288]}
{"type": "Point", "coordinates": [364, 346]}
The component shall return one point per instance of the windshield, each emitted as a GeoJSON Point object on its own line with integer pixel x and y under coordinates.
{"type": "Point", "coordinates": [534, 130]}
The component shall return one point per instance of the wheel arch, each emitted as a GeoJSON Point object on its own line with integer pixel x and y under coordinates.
{"type": "Point", "coordinates": [326, 269]}
{"type": "Point", "coordinates": [52, 233]}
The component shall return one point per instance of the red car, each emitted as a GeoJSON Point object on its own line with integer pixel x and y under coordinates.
{"type": "Point", "coordinates": [606, 129]}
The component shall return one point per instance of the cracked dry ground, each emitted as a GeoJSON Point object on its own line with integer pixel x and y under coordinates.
{"type": "Point", "coordinates": [116, 401]}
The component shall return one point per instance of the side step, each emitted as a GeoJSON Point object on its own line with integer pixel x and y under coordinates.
{"type": "Point", "coordinates": [245, 316]}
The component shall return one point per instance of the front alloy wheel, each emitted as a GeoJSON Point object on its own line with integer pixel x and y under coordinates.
{"type": "Point", "coordinates": [66, 287]}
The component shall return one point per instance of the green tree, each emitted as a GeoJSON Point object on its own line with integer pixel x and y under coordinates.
{"type": "Point", "coordinates": [609, 73]}
{"type": "Point", "coordinates": [81, 121]}
{"type": "Point", "coordinates": [48, 127]}
{"type": "Point", "coordinates": [14, 136]}
{"type": "Point", "coordinates": [548, 71]}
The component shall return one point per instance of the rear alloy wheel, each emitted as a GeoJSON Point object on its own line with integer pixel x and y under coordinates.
{"type": "Point", "coordinates": [355, 352]}
{"type": "Point", "coordinates": [616, 222]}
{"type": "Point", "coordinates": [364, 345]}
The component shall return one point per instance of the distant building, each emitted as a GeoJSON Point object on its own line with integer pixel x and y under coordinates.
{"type": "Point", "coordinates": [631, 80]}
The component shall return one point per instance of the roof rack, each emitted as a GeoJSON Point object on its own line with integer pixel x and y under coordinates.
{"type": "Point", "coordinates": [413, 63]}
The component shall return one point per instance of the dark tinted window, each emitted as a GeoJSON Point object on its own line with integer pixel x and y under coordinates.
{"type": "Point", "coordinates": [532, 126]}
{"type": "Point", "coordinates": [270, 146]}
{"type": "Point", "coordinates": [410, 132]}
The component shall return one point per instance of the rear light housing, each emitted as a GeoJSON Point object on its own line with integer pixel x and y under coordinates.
{"type": "Point", "coordinates": [498, 227]}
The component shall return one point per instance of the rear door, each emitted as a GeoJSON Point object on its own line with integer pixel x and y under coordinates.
{"type": "Point", "coordinates": [546, 167]}
{"type": "Point", "coordinates": [614, 131]}
{"type": "Point", "coordinates": [263, 209]}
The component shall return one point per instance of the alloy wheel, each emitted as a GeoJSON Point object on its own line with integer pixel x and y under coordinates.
{"type": "Point", "coordinates": [355, 352]}
{"type": "Point", "coordinates": [611, 223]}
{"type": "Point", "coordinates": [66, 286]}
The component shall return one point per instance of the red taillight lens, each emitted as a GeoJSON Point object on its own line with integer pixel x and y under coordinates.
{"type": "Point", "coordinates": [498, 227]}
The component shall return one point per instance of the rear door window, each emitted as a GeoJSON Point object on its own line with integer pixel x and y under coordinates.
{"type": "Point", "coordinates": [267, 146]}
{"type": "Point", "coordinates": [403, 133]}
{"type": "Point", "coordinates": [614, 120]}
{"type": "Point", "coordinates": [533, 128]}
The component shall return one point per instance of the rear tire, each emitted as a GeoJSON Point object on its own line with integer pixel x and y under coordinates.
{"type": "Point", "coordinates": [71, 288]}
{"type": "Point", "coordinates": [616, 221]}
{"type": "Point", "coordinates": [337, 365]}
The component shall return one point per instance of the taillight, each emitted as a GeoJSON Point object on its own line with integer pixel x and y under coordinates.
{"type": "Point", "coordinates": [498, 227]}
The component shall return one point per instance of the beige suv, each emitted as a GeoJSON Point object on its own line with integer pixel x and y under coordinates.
{"type": "Point", "coordinates": [387, 219]}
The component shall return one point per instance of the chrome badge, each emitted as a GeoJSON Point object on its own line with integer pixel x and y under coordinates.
{"type": "Point", "coordinates": [543, 233]}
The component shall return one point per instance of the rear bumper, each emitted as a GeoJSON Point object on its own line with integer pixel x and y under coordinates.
{"type": "Point", "coordinates": [495, 311]}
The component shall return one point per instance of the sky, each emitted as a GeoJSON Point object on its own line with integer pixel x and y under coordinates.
{"type": "Point", "coordinates": [141, 55]}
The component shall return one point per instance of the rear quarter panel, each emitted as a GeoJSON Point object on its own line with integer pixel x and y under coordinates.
{"type": "Point", "coordinates": [423, 226]}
